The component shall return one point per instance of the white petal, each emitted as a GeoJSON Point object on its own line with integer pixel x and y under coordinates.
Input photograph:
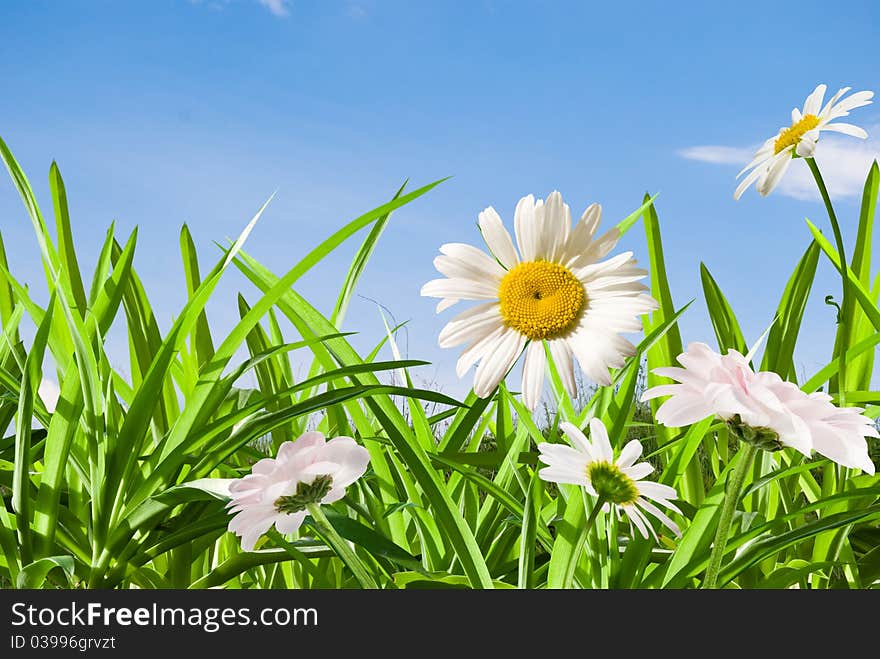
{"type": "Point", "coordinates": [533, 374]}
{"type": "Point", "coordinates": [471, 325]}
{"type": "Point", "coordinates": [444, 304]}
{"type": "Point", "coordinates": [474, 352]}
{"type": "Point", "coordinates": [583, 346]}
{"type": "Point", "coordinates": [556, 227]}
{"type": "Point", "coordinates": [659, 391]}
{"type": "Point", "coordinates": [639, 471]}
{"type": "Point", "coordinates": [563, 359]}
{"type": "Point", "coordinates": [847, 129]}
{"type": "Point", "coordinates": [285, 524]}
{"type": "Point", "coordinates": [461, 289]}
{"type": "Point", "coordinates": [497, 238]}
{"type": "Point", "coordinates": [526, 228]}
{"type": "Point", "coordinates": [637, 520]}
{"type": "Point", "coordinates": [556, 476]}
{"type": "Point", "coordinates": [630, 453]}
{"type": "Point", "coordinates": [684, 409]}
{"type": "Point", "coordinates": [775, 173]}
{"type": "Point", "coordinates": [659, 514]}
{"type": "Point", "coordinates": [830, 104]}
{"type": "Point", "coordinates": [845, 449]}
{"type": "Point", "coordinates": [581, 236]}
{"type": "Point", "coordinates": [656, 491]}
{"type": "Point", "coordinates": [468, 262]}
{"type": "Point", "coordinates": [806, 147]}
{"type": "Point", "coordinates": [578, 439]}
{"type": "Point", "coordinates": [748, 180]}
{"type": "Point", "coordinates": [842, 109]}
{"type": "Point", "coordinates": [495, 365]}
{"type": "Point", "coordinates": [601, 445]}
{"type": "Point", "coordinates": [814, 101]}
{"type": "Point", "coordinates": [761, 155]}
{"type": "Point", "coordinates": [351, 459]}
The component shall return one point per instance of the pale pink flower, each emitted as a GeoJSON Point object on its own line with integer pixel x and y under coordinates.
{"type": "Point", "coordinates": [278, 490]}
{"type": "Point", "coordinates": [725, 386]}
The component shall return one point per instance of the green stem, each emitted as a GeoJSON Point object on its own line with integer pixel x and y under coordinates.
{"type": "Point", "coordinates": [844, 306]}
{"type": "Point", "coordinates": [339, 545]}
{"type": "Point", "coordinates": [582, 539]}
{"type": "Point", "coordinates": [731, 498]}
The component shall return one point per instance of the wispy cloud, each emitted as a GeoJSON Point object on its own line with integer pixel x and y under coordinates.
{"type": "Point", "coordinates": [717, 155]}
{"type": "Point", "coordinates": [277, 7]}
{"type": "Point", "coordinates": [844, 162]}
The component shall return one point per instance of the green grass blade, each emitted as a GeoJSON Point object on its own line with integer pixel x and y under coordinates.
{"type": "Point", "coordinates": [864, 298]}
{"type": "Point", "coordinates": [724, 322]}
{"type": "Point", "coordinates": [66, 252]}
{"type": "Point", "coordinates": [21, 481]}
{"type": "Point", "coordinates": [201, 335]}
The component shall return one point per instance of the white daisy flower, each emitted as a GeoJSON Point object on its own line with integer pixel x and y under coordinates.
{"type": "Point", "coordinates": [278, 490]}
{"type": "Point", "coordinates": [619, 483]}
{"type": "Point", "coordinates": [761, 408]}
{"type": "Point", "coordinates": [799, 139]}
{"type": "Point", "coordinates": [554, 290]}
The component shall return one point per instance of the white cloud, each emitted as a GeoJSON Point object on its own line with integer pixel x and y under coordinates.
{"type": "Point", "coordinates": [277, 7]}
{"type": "Point", "coordinates": [844, 163]}
{"type": "Point", "coordinates": [718, 155]}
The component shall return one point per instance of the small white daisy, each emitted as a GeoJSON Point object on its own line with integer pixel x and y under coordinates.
{"type": "Point", "coordinates": [799, 139]}
{"type": "Point", "coordinates": [619, 483]}
{"type": "Point", "coordinates": [555, 290]}
{"type": "Point", "coordinates": [278, 490]}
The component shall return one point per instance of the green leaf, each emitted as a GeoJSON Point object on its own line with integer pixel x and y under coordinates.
{"type": "Point", "coordinates": [66, 251]}
{"type": "Point", "coordinates": [863, 297]}
{"type": "Point", "coordinates": [201, 334]}
{"type": "Point", "coordinates": [766, 547]}
{"type": "Point", "coordinates": [779, 352]}
{"type": "Point", "coordinates": [368, 539]}
{"type": "Point", "coordinates": [21, 480]}
{"type": "Point", "coordinates": [34, 575]}
{"type": "Point", "coordinates": [529, 532]}
{"type": "Point", "coordinates": [727, 330]}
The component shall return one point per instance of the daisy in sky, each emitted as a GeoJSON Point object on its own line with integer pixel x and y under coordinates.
{"type": "Point", "coordinates": [799, 139]}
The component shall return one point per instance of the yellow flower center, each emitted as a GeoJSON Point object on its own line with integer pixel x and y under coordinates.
{"type": "Point", "coordinates": [612, 484]}
{"type": "Point", "coordinates": [541, 300]}
{"type": "Point", "coordinates": [793, 135]}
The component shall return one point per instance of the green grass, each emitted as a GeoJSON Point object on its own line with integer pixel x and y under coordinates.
{"type": "Point", "coordinates": [103, 492]}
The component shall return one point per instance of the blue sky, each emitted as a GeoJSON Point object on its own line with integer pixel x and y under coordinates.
{"type": "Point", "coordinates": [174, 111]}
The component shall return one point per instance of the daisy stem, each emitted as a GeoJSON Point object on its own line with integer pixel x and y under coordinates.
{"type": "Point", "coordinates": [844, 306]}
{"type": "Point", "coordinates": [339, 545]}
{"type": "Point", "coordinates": [731, 498]}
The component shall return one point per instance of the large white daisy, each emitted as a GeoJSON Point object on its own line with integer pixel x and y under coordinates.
{"type": "Point", "coordinates": [555, 290]}
{"type": "Point", "coordinates": [799, 139]}
{"type": "Point", "coordinates": [619, 483]}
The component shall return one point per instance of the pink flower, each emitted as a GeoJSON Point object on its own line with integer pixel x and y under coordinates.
{"type": "Point", "coordinates": [726, 386]}
{"type": "Point", "coordinates": [278, 490]}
